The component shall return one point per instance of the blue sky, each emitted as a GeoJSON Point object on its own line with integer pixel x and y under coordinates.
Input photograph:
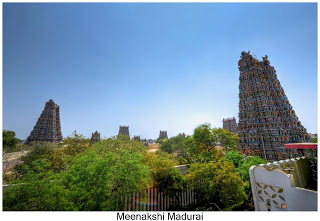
{"type": "Point", "coordinates": [150, 66]}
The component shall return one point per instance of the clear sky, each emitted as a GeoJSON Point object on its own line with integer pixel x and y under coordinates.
{"type": "Point", "coordinates": [150, 66]}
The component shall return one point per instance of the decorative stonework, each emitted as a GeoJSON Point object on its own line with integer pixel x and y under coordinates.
{"type": "Point", "coordinates": [266, 118]}
{"type": "Point", "coordinates": [47, 128]}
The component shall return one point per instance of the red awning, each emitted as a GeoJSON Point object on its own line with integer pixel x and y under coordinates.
{"type": "Point", "coordinates": [301, 146]}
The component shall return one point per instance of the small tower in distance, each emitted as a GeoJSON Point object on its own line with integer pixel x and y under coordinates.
{"type": "Point", "coordinates": [47, 128]}
{"type": "Point", "coordinates": [163, 134]}
{"type": "Point", "coordinates": [95, 138]}
{"type": "Point", "coordinates": [124, 130]}
{"type": "Point", "coordinates": [136, 138]}
{"type": "Point", "coordinates": [230, 124]}
{"type": "Point", "coordinates": [182, 135]}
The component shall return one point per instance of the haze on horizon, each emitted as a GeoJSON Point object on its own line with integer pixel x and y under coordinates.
{"type": "Point", "coordinates": [159, 66]}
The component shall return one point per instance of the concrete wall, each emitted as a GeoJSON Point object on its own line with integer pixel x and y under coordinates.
{"type": "Point", "coordinates": [278, 186]}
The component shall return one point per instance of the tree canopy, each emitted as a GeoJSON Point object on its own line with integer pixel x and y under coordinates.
{"type": "Point", "coordinates": [9, 140]}
{"type": "Point", "coordinates": [216, 182]}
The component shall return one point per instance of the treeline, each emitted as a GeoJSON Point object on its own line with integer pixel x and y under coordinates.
{"type": "Point", "coordinates": [9, 141]}
{"type": "Point", "coordinates": [82, 177]}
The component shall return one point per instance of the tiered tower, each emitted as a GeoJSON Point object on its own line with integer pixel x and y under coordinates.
{"type": "Point", "coordinates": [163, 134]}
{"type": "Point", "coordinates": [124, 130]}
{"type": "Point", "coordinates": [230, 124]}
{"type": "Point", "coordinates": [266, 118]}
{"type": "Point", "coordinates": [182, 135]}
{"type": "Point", "coordinates": [48, 126]}
{"type": "Point", "coordinates": [95, 138]}
{"type": "Point", "coordinates": [136, 138]}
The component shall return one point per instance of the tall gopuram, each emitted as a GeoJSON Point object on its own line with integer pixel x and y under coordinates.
{"type": "Point", "coordinates": [48, 126]}
{"type": "Point", "coordinates": [163, 134]}
{"type": "Point", "coordinates": [266, 118]}
{"type": "Point", "coordinates": [230, 124]}
{"type": "Point", "coordinates": [95, 138]}
{"type": "Point", "coordinates": [124, 130]}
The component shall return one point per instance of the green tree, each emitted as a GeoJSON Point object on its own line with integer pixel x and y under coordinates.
{"type": "Point", "coordinates": [243, 169]}
{"type": "Point", "coordinates": [235, 157]}
{"type": "Point", "coordinates": [115, 145]}
{"type": "Point", "coordinates": [175, 145]}
{"type": "Point", "coordinates": [39, 190]}
{"type": "Point", "coordinates": [314, 140]}
{"type": "Point", "coordinates": [95, 179]}
{"type": "Point", "coordinates": [9, 141]}
{"type": "Point", "coordinates": [39, 151]}
{"type": "Point", "coordinates": [204, 137]}
{"type": "Point", "coordinates": [75, 144]}
{"type": "Point", "coordinates": [216, 182]}
{"type": "Point", "coordinates": [168, 179]}
{"type": "Point", "coordinates": [99, 181]}
{"type": "Point", "coordinates": [226, 139]}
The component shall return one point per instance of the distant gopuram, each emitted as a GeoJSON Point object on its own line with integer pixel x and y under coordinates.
{"type": "Point", "coordinates": [182, 135]}
{"type": "Point", "coordinates": [163, 134]}
{"type": "Point", "coordinates": [124, 130]}
{"type": "Point", "coordinates": [95, 138]}
{"type": "Point", "coordinates": [136, 138]}
{"type": "Point", "coordinates": [266, 118]}
{"type": "Point", "coordinates": [230, 124]}
{"type": "Point", "coordinates": [48, 126]}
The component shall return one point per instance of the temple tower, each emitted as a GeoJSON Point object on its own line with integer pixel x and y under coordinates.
{"type": "Point", "coordinates": [230, 124]}
{"type": "Point", "coordinates": [95, 138]}
{"type": "Point", "coordinates": [266, 118]}
{"type": "Point", "coordinates": [136, 138]}
{"type": "Point", "coordinates": [48, 126]}
{"type": "Point", "coordinates": [163, 134]}
{"type": "Point", "coordinates": [124, 130]}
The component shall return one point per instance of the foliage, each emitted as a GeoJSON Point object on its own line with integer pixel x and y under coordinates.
{"type": "Point", "coordinates": [243, 169]}
{"type": "Point", "coordinates": [168, 179]}
{"type": "Point", "coordinates": [102, 181]}
{"type": "Point", "coordinates": [75, 144]}
{"type": "Point", "coordinates": [39, 151]}
{"type": "Point", "coordinates": [40, 190]}
{"type": "Point", "coordinates": [161, 140]}
{"type": "Point", "coordinates": [207, 138]}
{"type": "Point", "coordinates": [204, 137]}
{"type": "Point", "coordinates": [115, 145]}
{"type": "Point", "coordinates": [96, 179]}
{"type": "Point", "coordinates": [175, 145]}
{"type": "Point", "coordinates": [226, 139]}
{"type": "Point", "coordinates": [121, 137]}
{"type": "Point", "coordinates": [9, 141]}
{"type": "Point", "coordinates": [235, 157]}
{"type": "Point", "coordinates": [245, 166]}
{"type": "Point", "coordinates": [314, 140]}
{"type": "Point", "coordinates": [216, 182]}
